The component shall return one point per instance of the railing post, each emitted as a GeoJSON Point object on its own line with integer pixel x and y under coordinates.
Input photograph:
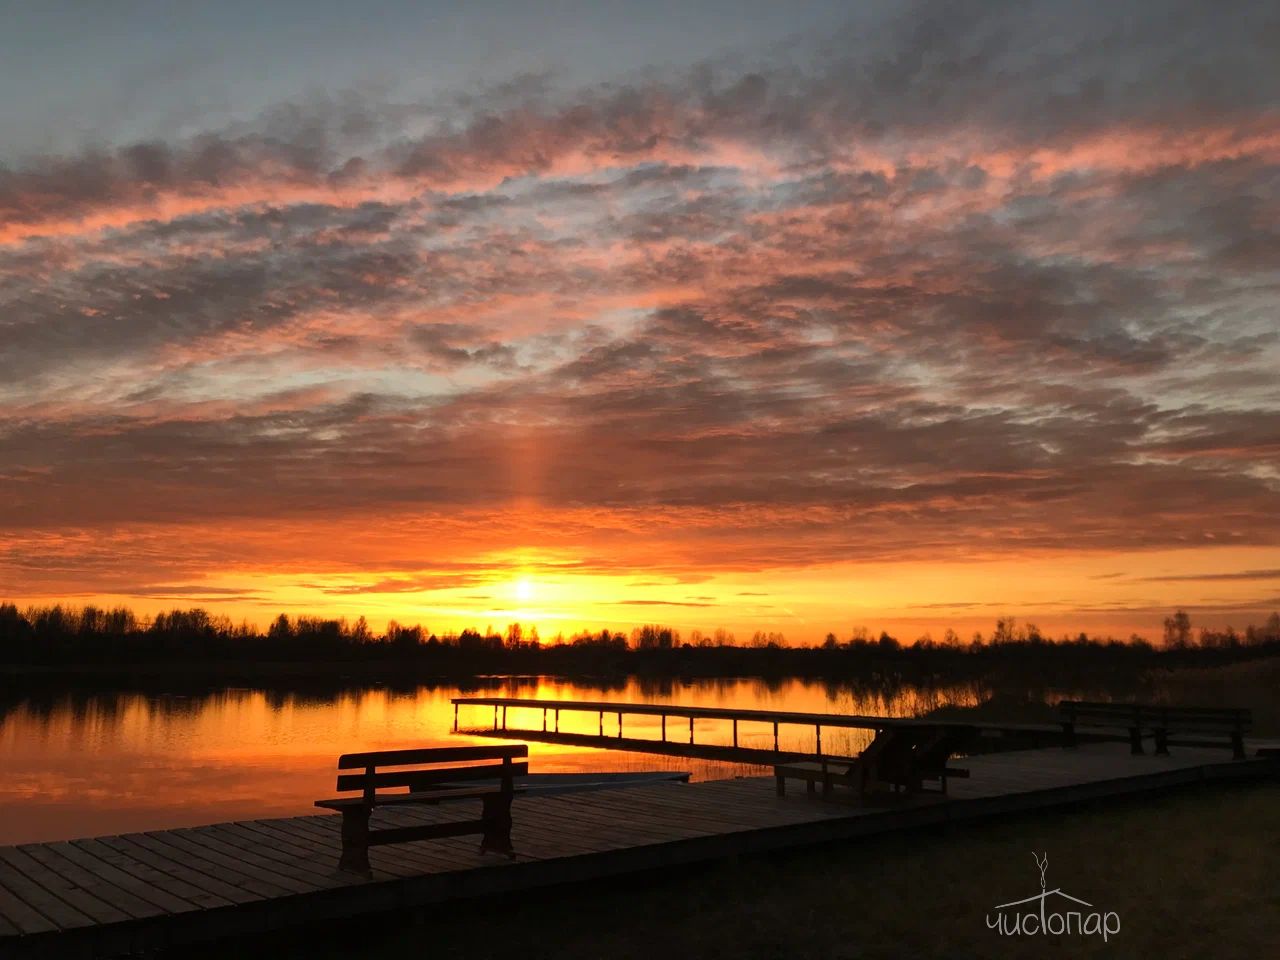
{"type": "Point", "coordinates": [544, 719]}
{"type": "Point", "coordinates": [775, 736]}
{"type": "Point", "coordinates": [735, 731]}
{"type": "Point", "coordinates": [602, 723]}
{"type": "Point", "coordinates": [495, 716]}
{"type": "Point", "coordinates": [504, 717]}
{"type": "Point", "coordinates": [557, 719]}
{"type": "Point", "coordinates": [691, 729]}
{"type": "Point", "coordinates": [818, 728]}
{"type": "Point", "coordinates": [455, 718]}
{"type": "Point", "coordinates": [664, 728]}
{"type": "Point", "coordinates": [619, 724]}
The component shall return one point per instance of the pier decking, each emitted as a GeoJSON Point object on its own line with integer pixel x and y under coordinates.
{"type": "Point", "coordinates": [101, 896]}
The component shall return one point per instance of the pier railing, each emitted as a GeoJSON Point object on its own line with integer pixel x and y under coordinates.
{"type": "Point", "coordinates": [551, 710]}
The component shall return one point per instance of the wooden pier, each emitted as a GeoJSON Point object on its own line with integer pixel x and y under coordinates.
{"type": "Point", "coordinates": [669, 744]}
{"type": "Point", "coordinates": [677, 740]}
{"type": "Point", "coordinates": [165, 888]}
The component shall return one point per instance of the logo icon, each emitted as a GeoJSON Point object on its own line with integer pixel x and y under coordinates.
{"type": "Point", "coordinates": [1032, 916]}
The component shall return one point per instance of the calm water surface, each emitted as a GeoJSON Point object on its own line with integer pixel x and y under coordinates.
{"type": "Point", "coordinates": [104, 763]}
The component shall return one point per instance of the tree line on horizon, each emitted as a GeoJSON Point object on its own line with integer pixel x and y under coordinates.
{"type": "Point", "coordinates": [37, 632]}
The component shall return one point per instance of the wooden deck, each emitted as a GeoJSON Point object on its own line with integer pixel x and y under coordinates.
{"type": "Point", "coordinates": [141, 891]}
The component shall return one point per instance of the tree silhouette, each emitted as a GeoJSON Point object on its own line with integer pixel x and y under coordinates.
{"type": "Point", "coordinates": [1177, 630]}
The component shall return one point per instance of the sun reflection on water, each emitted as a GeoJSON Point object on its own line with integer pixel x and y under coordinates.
{"type": "Point", "coordinates": [84, 765]}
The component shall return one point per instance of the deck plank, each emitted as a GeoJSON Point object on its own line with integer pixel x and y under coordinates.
{"type": "Point", "coordinates": [693, 810]}
{"type": "Point", "coordinates": [154, 878]}
{"type": "Point", "coordinates": [215, 842]}
{"type": "Point", "coordinates": [180, 864]}
{"type": "Point", "coordinates": [618, 825]}
{"type": "Point", "coordinates": [199, 890]}
{"type": "Point", "coordinates": [83, 854]}
{"type": "Point", "coordinates": [641, 813]}
{"type": "Point", "coordinates": [29, 908]}
{"type": "Point", "coordinates": [102, 885]}
{"type": "Point", "coordinates": [59, 890]}
{"type": "Point", "coordinates": [316, 853]}
{"type": "Point", "coordinates": [211, 863]}
{"type": "Point", "coordinates": [286, 858]}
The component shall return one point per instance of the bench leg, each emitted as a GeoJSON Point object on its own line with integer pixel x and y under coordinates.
{"type": "Point", "coordinates": [1068, 734]}
{"type": "Point", "coordinates": [1237, 746]}
{"type": "Point", "coordinates": [497, 824]}
{"type": "Point", "coordinates": [1162, 743]}
{"type": "Point", "coordinates": [1135, 741]}
{"type": "Point", "coordinates": [355, 841]}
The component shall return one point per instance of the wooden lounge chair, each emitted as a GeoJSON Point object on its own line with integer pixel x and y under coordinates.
{"type": "Point", "coordinates": [828, 772]}
{"type": "Point", "coordinates": [899, 758]}
{"type": "Point", "coordinates": [933, 754]}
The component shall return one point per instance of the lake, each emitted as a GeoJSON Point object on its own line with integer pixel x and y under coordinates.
{"type": "Point", "coordinates": [89, 764]}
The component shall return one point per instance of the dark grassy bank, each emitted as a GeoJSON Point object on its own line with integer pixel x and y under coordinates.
{"type": "Point", "coordinates": [1191, 873]}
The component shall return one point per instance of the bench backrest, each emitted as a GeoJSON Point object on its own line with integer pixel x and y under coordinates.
{"type": "Point", "coordinates": [1202, 719]}
{"type": "Point", "coordinates": [428, 768]}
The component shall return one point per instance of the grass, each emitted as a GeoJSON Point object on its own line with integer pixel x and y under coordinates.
{"type": "Point", "coordinates": [1193, 873]}
{"type": "Point", "coordinates": [1251, 684]}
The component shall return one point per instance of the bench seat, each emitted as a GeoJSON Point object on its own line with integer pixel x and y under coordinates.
{"type": "Point", "coordinates": [422, 796]}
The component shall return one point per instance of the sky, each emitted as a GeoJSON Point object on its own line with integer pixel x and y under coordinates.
{"type": "Point", "coordinates": [793, 318]}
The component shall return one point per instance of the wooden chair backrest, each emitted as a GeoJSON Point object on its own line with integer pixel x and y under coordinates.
{"type": "Point", "coordinates": [933, 753]}
{"type": "Point", "coordinates": [893, 749]}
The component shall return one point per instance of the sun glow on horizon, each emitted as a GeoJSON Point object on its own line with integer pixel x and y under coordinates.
{"type": "Point", "coordinates": [1116, 594]}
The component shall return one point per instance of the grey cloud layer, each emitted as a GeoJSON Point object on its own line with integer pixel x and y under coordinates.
{"type": "Point", "coordinates": [878, 299]}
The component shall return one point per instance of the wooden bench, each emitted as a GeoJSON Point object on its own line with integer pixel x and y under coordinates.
{"type": "Point", "coordinates": [900, 757]}
{"type": "Point", "coordinates": [1159, 721]}
{"type": "Point", "coordinates": [494, 823]}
